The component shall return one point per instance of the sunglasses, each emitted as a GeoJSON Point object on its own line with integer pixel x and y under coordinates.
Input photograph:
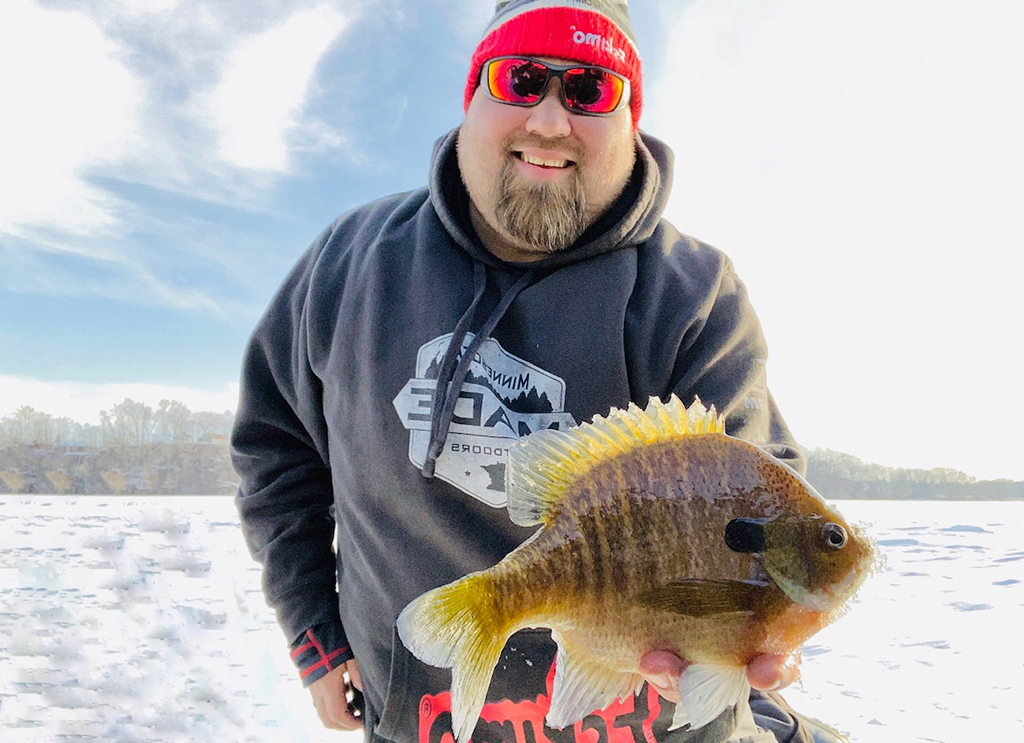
{"type": "Point", "coordinates": [522, 81]}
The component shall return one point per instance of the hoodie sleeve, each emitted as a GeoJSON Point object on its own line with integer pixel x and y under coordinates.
{"type": "Point", "coordinates": [279, 450]}
{"type": "Point", "coordinates": [722, 360]}
{"type": "Point", "coordinates": [319, 650]}
{"type": "Point", "coordinates": [773, 713]}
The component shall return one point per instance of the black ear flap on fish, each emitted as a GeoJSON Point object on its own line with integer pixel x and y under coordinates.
{"type": "Point", "coordinates": [745, 535]}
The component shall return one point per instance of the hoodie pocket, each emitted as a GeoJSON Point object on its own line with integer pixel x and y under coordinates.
{"type": "Point", "coordinates": [418, 702]}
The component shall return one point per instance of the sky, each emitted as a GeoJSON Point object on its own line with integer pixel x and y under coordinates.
{"type": "Point", "coordinates": [163, 163]}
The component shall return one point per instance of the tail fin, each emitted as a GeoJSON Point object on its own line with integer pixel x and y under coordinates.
{"type": "Point", "coordinates": [459, 626]}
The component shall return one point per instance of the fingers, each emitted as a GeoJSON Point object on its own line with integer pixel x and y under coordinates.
{"type": "Point", "coordinates": [331, 701]}
{"type": "Point", "coordinates": [353, 674]}
{"type": "Point", "coordinates": [662, 669]}
{"type": "Point", "coordinates": [339, 715]}
{"type": "Point", "coordinates": [772, 672]}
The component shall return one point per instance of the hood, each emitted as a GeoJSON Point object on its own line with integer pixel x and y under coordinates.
{"type": "Point", "coordinates": [630, 220]}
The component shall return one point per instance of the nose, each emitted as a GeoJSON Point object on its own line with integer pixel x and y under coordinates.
{"type": "Point", "coordinates": [549, 118]}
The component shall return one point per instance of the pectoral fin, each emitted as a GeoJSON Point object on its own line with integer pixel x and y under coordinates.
{"type": "Point", "coordinates": [582, 686]}
{"type": "Point", "coordinates": [702, 598]}
{"type": "Point", "coordinates": [707, 691]}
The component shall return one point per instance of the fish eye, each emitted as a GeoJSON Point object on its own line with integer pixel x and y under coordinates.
{"type": "Point", "coordinates": [835, 536]}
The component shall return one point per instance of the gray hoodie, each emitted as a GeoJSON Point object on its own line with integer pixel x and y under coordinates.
{"type": "Point", "coordinates": [386, 380]}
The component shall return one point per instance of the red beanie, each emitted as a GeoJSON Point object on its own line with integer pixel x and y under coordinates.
{"type": "Point", "coordinates": [593, 32]}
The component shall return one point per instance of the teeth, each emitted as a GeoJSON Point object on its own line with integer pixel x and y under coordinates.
{"type": "Point", "coordinates": [544, 163]}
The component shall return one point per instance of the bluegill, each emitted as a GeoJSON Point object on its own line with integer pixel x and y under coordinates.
{"type": "Point", "coordinates": [657, 532]}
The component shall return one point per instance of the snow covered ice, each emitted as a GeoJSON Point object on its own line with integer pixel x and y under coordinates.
{"type": "Point", "coordinates": [141, 619]}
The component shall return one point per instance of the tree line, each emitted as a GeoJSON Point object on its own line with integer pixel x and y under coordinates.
{"type": "Point", "coordinates": [171, 449]}
{"type": "Point", "coordinates": [128, 423]}
{"type": "Point", "coordinates": [837, 475]}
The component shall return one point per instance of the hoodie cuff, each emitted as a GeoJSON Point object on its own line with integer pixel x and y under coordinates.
{"type": "Point", "coordinates": [773, 713]}
{"type": "Point", "coordinates": [319, 650]}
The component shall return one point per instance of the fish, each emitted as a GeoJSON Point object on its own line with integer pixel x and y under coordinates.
{"type": "Point", "coordinates": [658, 531]}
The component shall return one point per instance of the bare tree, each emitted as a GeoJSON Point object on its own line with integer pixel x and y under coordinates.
{"type": "Point", "coordinates": [207, 423]}
{"type": "Point", "coordinates": [133, 419]}
{"type": "Point", "coordinates": [23, 423]}
{"type": "Point", "coordinates": [91, 436]}
{"type": "Point", "coordinates": [161, 417]}
{"type": "Point", "coordinates": [106, 427]}
{"type": "Point", "coordinates": [9, 430]}
{"type": "Point", "coordinates": [179, 419]}
{"type": "Point", "coordinates": [64, 430]}
{"type": "Point", "coordinates": [42, 428]}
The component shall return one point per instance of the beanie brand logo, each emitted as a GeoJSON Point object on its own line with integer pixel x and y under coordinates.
{"type": "Point", "coordinates": [599, 42]}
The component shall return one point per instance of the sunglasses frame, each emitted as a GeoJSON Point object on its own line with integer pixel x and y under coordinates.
{"type": "Point", "coordinates": [558, 71]}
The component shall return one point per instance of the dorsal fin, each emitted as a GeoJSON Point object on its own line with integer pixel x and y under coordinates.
{"type": "Point", "coordinates": [542, 465]}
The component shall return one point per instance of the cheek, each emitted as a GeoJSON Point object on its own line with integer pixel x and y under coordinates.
{"type": "Point", "coordinates": [612, 153]}
{"type": "Point", "coordinates": [486, 126]}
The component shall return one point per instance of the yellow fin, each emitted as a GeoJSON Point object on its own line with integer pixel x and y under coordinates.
{"type": "Point", "coordinates": [455, 627]}
{"type": "Point", "coordinates": [542, 465]}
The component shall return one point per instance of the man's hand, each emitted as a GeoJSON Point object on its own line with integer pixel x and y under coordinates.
{"type": "Point", "coordinates": [330, 697]}
{"type": "Point", "coordinates": [662, 670]}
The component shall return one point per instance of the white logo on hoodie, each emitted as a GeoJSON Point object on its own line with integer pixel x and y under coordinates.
{"type": "Point", "coordinates": [502, 399]}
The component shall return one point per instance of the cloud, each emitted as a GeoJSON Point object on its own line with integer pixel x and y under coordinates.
{"type": "Point", "coordinates": [120, 110]}
{"type": "Point", "coordinates": [860, 162]}
{"type": "Point", "coordinates": [62, 269]}
{"type": "Point", "coordinates": [265, 82]}
{"type": "Point", "coordinates": [82, 402]}
{"type": "Point", "coordinates": [177, 95]}
{"type": "Point", "coordinates": [69, 105]}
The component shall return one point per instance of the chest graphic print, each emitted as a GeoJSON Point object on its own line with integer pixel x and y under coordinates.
{"type": "Point", "coordinates": [502, 399]}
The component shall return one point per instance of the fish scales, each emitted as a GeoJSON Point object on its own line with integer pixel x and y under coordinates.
{"type": "Point", "coordinates": [574, 556]}
{"type": "Point", "coordinates": [658, 532]}
{"type": "Point", "coordinates": [595, 585]}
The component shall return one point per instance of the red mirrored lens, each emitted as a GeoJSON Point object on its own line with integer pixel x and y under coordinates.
{"type": "Point", "coordinates": [516, 80]}
{"type": "Point", "coordinates": [592, 90]}
{"type": "Point", "coordinates": [523, 82]}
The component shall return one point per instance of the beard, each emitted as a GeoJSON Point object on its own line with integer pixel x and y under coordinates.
{"type": "Point", "coordinates": [543, 217]}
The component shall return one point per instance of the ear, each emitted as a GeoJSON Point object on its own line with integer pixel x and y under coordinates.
{"type": "Point", "coordinates": [745, 535]}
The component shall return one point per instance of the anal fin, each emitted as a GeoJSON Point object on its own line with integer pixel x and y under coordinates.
{"type": "Point", "coordinates": [707, 691]}
{"type": "Point", "coordinates": [582, 686]}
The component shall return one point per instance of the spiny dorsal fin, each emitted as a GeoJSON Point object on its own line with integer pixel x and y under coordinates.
{"type": "Point", "coordinates": [542, 465]}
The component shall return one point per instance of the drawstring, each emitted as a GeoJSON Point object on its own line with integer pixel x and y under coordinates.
{"type": "Point", "coordinates": [449, 381]}
{"type": "Point", "coordinates": [444, 374]}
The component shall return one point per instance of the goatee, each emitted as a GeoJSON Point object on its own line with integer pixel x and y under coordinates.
{"type": "Point", "coordinates": [547, 217]}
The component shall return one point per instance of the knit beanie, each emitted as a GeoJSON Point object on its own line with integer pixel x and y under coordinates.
{"type": "Point", "coordinates": [595, 32]}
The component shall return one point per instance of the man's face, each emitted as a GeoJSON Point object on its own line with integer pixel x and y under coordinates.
{"type": "Point", "coordinates": [539, 176]}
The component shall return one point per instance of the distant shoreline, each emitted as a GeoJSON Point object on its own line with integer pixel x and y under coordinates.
{"type": "Point", "coordinates": [204, 469]}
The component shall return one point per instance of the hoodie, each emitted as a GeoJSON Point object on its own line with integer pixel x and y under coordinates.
{"type": "Point", "coordinates": [386, 380]}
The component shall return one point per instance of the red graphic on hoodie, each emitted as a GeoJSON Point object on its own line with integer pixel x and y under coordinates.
{"type": "Point", "coordinates": [628, 720]}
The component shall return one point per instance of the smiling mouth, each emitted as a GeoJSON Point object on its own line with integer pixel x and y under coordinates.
{"type": "Point", "coordinates": [542, 163]}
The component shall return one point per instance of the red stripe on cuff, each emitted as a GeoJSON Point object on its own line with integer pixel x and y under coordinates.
{"type": "Point", "coordinates": [325, 662]}
{"type": "Point", "coordinates": [324, 658]}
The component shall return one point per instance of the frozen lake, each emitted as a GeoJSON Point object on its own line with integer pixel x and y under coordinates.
{"type": "Point", "coordinates": [141, 619]}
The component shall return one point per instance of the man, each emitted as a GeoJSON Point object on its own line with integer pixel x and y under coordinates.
{"type": "Point", "coordinates": [532, 285]}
